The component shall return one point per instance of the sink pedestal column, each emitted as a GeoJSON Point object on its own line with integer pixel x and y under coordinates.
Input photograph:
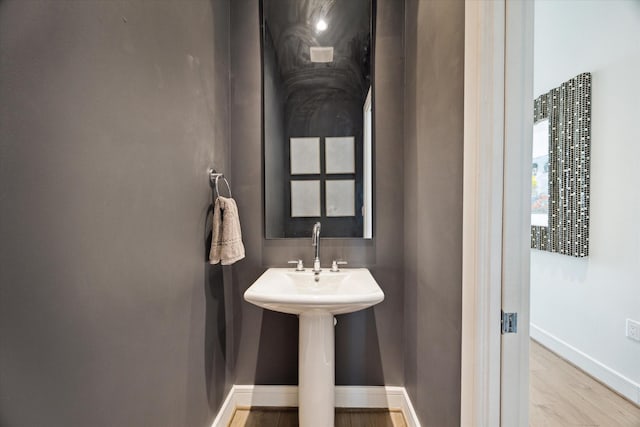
{"type": "Point", "coordinates": [316, 370]}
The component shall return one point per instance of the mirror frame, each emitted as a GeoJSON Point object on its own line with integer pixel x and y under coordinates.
{"type": "Point", "coordinates": [568, 109]}
{"type": "Point", "coordinates": [373, 221]}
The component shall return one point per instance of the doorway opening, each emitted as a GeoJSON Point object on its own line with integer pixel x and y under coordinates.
{"type": "Point", "coordinates": [584, 366]}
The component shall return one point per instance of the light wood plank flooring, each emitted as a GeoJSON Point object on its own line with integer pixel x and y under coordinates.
{"type": "Point", "coordinates": [288, 417]}
{"type": "Point", "coordinates": [563, 395]}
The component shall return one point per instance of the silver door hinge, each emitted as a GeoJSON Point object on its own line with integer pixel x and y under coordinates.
{"type": "Point", "coordinates": [509, 322]}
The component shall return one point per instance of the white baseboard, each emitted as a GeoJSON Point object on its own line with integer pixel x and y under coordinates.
{"type": "Point", "coordinates": [224, 415]}
{"type": "Point", "coordinates": [287, 396]}
{"type": "Point", "coordinates": [595, 368]}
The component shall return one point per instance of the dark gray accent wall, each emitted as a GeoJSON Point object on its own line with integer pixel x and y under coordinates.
{"type": "Point", "coordinates": [433, 155]}
{"type": "Point", "coordinates": [111, 113]}
{"type": "Point", "coordinates": [369, 344]}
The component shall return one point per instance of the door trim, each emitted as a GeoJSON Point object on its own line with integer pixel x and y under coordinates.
{"type": "Point", "coordinates": [498, 79]}
{"type": "Point", "coordinates": [516, 229]}
{"type": "Point", "coordinates": [482, 212]}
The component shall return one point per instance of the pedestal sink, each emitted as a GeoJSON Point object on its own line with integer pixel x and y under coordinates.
{"type": "Point", "coordinates": [315, 303]}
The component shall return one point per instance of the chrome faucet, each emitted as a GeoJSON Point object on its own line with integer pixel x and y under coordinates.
{"type": "Point", "coordinates": [315, 242]}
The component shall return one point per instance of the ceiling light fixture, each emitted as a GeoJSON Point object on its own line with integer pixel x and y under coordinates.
{"type": "Point", "coordinates": [321, 25]}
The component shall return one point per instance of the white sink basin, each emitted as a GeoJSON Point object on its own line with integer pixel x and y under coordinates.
{"type": "Point", "coordinates": [297, 292]}
{"type": "Point", "coordinates": [289, 291]}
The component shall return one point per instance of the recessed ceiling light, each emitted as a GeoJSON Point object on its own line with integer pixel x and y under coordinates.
{"type": "Point", "coordinates": [321, 25]}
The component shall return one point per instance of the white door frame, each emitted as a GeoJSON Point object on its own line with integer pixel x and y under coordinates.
{"type": "Point", "coordinates": [497, 159]}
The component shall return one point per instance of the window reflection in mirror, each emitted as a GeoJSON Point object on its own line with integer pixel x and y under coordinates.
{"type": "Point", "coordinates": [317, 117]}
{"type": "Point", "coordinates": [540, 174]}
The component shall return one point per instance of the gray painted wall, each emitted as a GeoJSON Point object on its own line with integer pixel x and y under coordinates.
{"type": "Point", "coordinates": [368, 343]}
{"type": "Point", "coordinates": [111, 113]}
{"type": "Point", "coordinates": [434, 47]}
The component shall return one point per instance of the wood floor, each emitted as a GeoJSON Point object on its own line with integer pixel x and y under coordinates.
{"type": "Point", "coordinates": [288, 417]}
{"type": "Point", "coordinates": [562, 395]}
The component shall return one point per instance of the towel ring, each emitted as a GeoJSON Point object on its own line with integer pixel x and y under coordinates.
{"type": "Point", "coordinates": [213, 179]}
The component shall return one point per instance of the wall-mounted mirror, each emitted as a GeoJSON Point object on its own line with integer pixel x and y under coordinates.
{"type": "Point", "coordinates": [317, 105]}
{"type": "Point", "coordinates": [540, 174]}
{"type": "Point", "coordinates": [560, 168]}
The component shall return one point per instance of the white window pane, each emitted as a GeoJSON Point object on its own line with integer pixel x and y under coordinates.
{"type": "Point", "coordinates": [540, 175]}
{"type": "Point", "coordinates": [305, 156]}
{"type": "Point", "coordinates": [341, 196]}
{"type": "Point", "coordinates": [340, 154]}
{"type": "Point", "coordinates": [305, 198]}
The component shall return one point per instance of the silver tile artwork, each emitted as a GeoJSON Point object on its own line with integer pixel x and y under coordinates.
{"type": "Point", "coordinates": [340, 197]}
{"type": "Point", "coordinates": [568, 109]}
{"type": "Point", "coordinates": [305, 156]}
{"type": "Point", "coordinates": [305, 198]}
{"type": "Point", "coordinates": [340, 154]}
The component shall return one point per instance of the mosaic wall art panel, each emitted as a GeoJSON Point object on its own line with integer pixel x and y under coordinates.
{"type": "Point", "coordinates": [568, 109]}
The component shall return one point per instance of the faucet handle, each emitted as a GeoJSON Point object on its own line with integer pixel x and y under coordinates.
{"type": "Point", "coordinates": [298, 263]}
{"type": "Point", "coordinates": [335, 264]}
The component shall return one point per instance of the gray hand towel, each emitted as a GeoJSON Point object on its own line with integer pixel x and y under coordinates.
{"type": "Point", "coordinates": [226, 241]}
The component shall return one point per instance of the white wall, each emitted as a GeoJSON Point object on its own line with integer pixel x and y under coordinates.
{"type": "Point", "coordinates": [579, 306]}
